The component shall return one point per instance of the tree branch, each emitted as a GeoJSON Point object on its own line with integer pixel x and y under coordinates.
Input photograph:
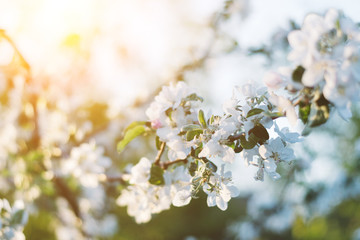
{"type": "Point", "coordinates": [158, 156]}
{"type": "Point", "coordinates": [167, 164]}
{"type": "Point", "coordinates": [236, 136]}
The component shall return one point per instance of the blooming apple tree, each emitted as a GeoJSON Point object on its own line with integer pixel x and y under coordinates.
{"type": "Point", "coordinates": [196, 150]}
{"type": "Point", "coordinates": [324, 74]}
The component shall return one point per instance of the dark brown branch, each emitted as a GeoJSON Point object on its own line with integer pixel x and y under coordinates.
{"type": "Point", "coordinates": [236, 136]}
{"type": "Point", "coordinates": [64, 191]}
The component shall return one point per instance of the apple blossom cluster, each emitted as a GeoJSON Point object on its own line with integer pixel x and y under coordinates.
{"type": "Point", "coordinates": [86, 163]}
{"type": "Point", "coordinates": [193, 143]}
{"type": "Point", "coordinates": [325, 69]}
{"type": "Point", "coordinates": [12, 220]}
{"type": "Point", "coordinates": [325, 53]}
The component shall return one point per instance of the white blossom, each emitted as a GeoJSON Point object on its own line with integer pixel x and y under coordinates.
{"type": "Point", "coordinates": [284, 105]}
{"type": "Point", "coordinates": [214, 148]}
{"type": "Point", "coordinates": [273, 80]}
{"type": "Point", "coordinates": [12, 220]}
{"type": "Point", "coordinates": [286, 135]}
{"type": "Point", "coordinates": [220, 189]}
{"type": "Point", "coordinates": [86, 163]}
{"type": "Point", "coordinates": [274, 152]}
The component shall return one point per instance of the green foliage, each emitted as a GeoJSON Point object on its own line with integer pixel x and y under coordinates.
{"type": "Point", "coordinates": [135, 124]}
{"type": "Point", "coordinates": [211, 165]}
{"type": "Point", "coordinates": [193, 167]}
{"type": "Point", "coordinates": [273, 115]}
{"type": "Point", "coordinates": [190, 127]}
{"type": "Point", "coordinates": [201, 118]}
{"type": "Point", "coordinates": [304, 111]}
{"type": "Point", "coordinates": [40, 226]}
{"type": "Point", "coordinates": [257, 135]}
{"type": "Point", "coordinates": [260, 132]}
{"type": "Point", "coordinates": [17, 218]}
{"type": "Point", "coordinates": [248, 144]}
{"type": "Point", "coordinates": [196, 151]}
{"type": "Point", "coordinates": [319, 112]}
{"type": "Point", "coordinates": [340, 223]}
{"type": "Point", "coordinates": [254, 111]}
{"type": "Point", "coordinates": [158, 142]}
{"type": "Point", "coordinates": [131, 133]}
{"type": "Point", "coordinates": [156, 175]}
{"type": "Point", "coordinates": [191, 134]}
{"type": "Point", "coordinates": [193, 97]}
{"type": "Point", "coordinates": [178, 223]}
{"type": "Point", "coordinates": [238, 147]}
{"type": "Point", "coordinates": [297, 74]}
{"type": "Point", "coordinates": [96, 113]}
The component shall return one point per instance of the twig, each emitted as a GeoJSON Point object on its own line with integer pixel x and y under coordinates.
{"type": "Point", "coordinates": [167, 164]}
{"type": "Point", "coordinates": [65, 192]}
{"type": "Point", "coordinates": [119, 179]}
{"type": "Point", "coordinates": [158, 156]}
{"type": "Point", "coordinates": [236, 136]}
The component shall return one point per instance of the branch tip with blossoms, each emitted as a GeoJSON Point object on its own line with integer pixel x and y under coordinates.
{"type": "Point", "coordinates": [326, 75]}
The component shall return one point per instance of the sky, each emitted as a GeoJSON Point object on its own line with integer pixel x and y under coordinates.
{"type": "Point", "coordinates": [130, 47]}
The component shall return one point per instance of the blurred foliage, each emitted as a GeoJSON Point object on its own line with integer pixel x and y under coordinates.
{"type": "Point", "coordinates": [340, 223]}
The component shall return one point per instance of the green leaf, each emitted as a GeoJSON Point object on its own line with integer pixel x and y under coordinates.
{"type": "Point", "coordinates": [318, 115]}
{"type": "Point", "coordinates": [192, 168]}
{"type": "Point", "coordinates": [17, 218]}
{"type": "Point", "coordinates": [238, 148]}
{"type": "Point", "coordinates": [254, 111]}
{"type": "Point", "coordinates": [260, 132]}
{"type": "Point", "coordinates": [156, 175]}
{"type": "Point", "coordinates": [273, 115]}
{"type": "Point", "coordinates": [191, 134]}
{"type": "Point", "coordinates": [190, 127]}
{"type": "Point", "coordinates": [34, 156]}
{"type": "Point", "coordinates": [168, 112]}
{"type": "Point", "coordinates": [201, 118]}
{"type": "Point", "coordinates": [298, 73]}
{"type": "Point", "coordinates": [193, 97]}
{"type": "Point", "coordinates": [320, 110]}
{"type": "Point", "coordinates": [130, 134]}
{"type": "Point", "coordinates": [211, 119]}
{"type": "Point", "coordinates": [211, 166]}
{"type": "Point", "coordinates": [231, 144]}
{"type": "Point", "coordinates": [304, 111]}
{"type": "Point", "coordinates": [158, 142]}
{"type": "Point", "coordinates": [195, 153]}
{"type": "Point", "coordinates": [248, 144]}
{"type": "Point", "coordinates": [134, 124]}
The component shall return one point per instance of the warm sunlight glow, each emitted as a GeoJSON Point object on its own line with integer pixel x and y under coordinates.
{"type": "Point", "coordinates": [124, 46]}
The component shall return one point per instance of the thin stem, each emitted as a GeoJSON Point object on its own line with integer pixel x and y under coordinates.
{"type": "Point", "coordinates": [236, 136]}
{"type": "Point", "coordinates": [167, 164]}
{"type": "Point", "coordinates": [119, 179]}
{"type": "Point", "coordinates": [22, 59]}
{"type": "Point", "coordinates": [297, 102]}
{"type": "Point", "coordinates": [161, 151]}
